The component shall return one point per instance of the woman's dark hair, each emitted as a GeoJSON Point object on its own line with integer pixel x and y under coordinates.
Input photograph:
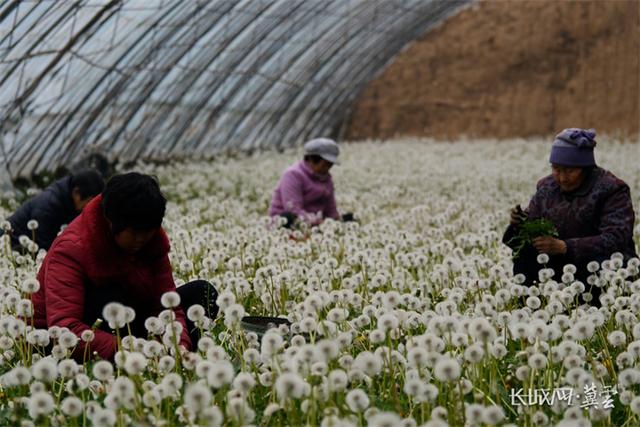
{"type": "Point", "coordinates": [88, 182]}
{"type": "Point", "coordinates": [133, 200]}
{"type": "Point", "coordinates": [313, 158]}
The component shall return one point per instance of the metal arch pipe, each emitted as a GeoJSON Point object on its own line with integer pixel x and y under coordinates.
{"type": "Point", "coordinates": [199, 139]}
{"type": "Point", "coordinates": [151, 80]}
{"type": "Point", "coordinates": [361, 75]}
{"type": "Point", "coordinates": [36, 155]}
{"type": "Point", "coordinates": [107, 98]}
{"type": "Point", "coordinates": [304, 49]}
{"type": "Point", "coordinates": [33, 85]}
{"type": "Point", "coordinates": [300, 97]}
{"type": "Point", "coordinates": [181, 130]}
{"type": "Point", "coordinates": [330, 98]}
{"type": "Point", "coordinates": [181, 88]}
{"type": "Point", "coordinates": [64, 16]}
{"type": "Point", "coordinates": [14, 5]}
{"type": "Point", "coordinates": [270, 93]}
{"type": "Point", "coordinates": [10, 6]}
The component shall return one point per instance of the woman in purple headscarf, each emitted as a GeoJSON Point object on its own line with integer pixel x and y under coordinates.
{"type": "Point", "coordinates": [589, 206]}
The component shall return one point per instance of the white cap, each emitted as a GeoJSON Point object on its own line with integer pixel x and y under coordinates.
{"type": "Point", "coordinates": [323, 147]}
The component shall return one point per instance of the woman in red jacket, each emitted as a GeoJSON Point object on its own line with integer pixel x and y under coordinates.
{"type": "Point", "coordinates": [115, 251]}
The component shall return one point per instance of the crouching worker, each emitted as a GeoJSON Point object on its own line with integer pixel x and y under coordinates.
{"type": "Point", "coordinates": [56, 205]}
{"type": "Point", "coordinates": [115, 251]}
{"type": "Point", "coordinates": [305, 191]}
{"type": "Point", "coordinates": [590, 208]}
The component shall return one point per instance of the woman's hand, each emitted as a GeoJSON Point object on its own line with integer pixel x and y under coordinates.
{"type": "Point", "coordinates": [517, 216]}
{"type": "Point", "coordinates": [550, 245]}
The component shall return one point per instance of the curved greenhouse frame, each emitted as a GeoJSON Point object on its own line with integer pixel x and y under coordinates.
{"type": "Point", "coordinates": [162, 79]}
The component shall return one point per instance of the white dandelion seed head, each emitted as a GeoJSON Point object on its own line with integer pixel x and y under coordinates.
{"type": "Point", "coordinates": [45, 370]}
{"type": "Point", "coordinates": [617, 338]}
{"type": "Point", "coordinates": [40, 404]}
{"type": "Point", "coordinates": [114, 314]}
{"type": "Point", "coordinates": [103, 417]}
{"type": "Point", "coordinates": [537, 361]}
{"type": "Point", "coordinates": [30, 285]}
{"type": "Point", "coordinates": [635, 405]}
{"type": "Point", "coordinates": [197, 397]}
{"type": "Point", "coordinates": [542, 258]}
{"type": "Point", "coordinates": [357, 400]}
{"type": "Point", "coordinates": [170, 299]}
{"type": "Point", "coordinates": [135, 363]}
{"type": "Point", "coordinates": [68, 368]}
{"type": "Point", "coordinates": [384, 419]}
{"type": "Point", "coordinates": [68, 340]}
{"type": "Point", "coordinates": [447, 369]}
{"type": "Point", "coordinates": [123, 388]}
{"type": "Point", "coordinates": [289, 386]}
{"type": "Point", "coordinates": [196, 313]}
{"type": "Point", "coordinates": [220, 374]}
{"type": "Point", "coordinates": [244, 382]}
{"type": "Point", "coordinates": [87, 335]}
{"type": "Point", "coordinates": [72, 406]}
{"type": "Point", "coordinates": [102, 370]}
{"type": "Point", "coordinates": [225, 299]}
{"type": "Point", "coordinates": [212, 416]}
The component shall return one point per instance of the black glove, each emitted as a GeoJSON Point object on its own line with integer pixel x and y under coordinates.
{"type": "Point", "coordinates": [348, 217]}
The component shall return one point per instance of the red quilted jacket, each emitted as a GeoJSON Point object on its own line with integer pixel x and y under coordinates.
{"type": "Point", "coordinates": [84, 255]}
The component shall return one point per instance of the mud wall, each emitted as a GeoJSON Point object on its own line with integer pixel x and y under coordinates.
{"type": "Point", "coordinates": [512, 69]}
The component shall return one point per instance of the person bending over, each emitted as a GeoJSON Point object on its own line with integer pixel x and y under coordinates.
{"type": "Point", "coordinates": [305, 190]}
{"type": "Point", "coordinates": [590, 207]}
{"type": "Point", "coordinates": [115, 251]}
{"type": "Point", "coordinates": [56, 205]}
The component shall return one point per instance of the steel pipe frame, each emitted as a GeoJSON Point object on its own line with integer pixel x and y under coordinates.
{"type": "Point", "coordinates": [272, 94]}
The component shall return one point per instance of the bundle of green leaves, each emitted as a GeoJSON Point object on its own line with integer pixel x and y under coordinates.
{"type": "Point", "coordinates": [528, 230]}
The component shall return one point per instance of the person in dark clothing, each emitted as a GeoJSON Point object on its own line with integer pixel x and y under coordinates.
{"type": "Point", "coordinates": [56, 205]}
{"type": "Point", "coordinates": [115, 251]}
{"type": "Point", "coordinates": [590, 207]}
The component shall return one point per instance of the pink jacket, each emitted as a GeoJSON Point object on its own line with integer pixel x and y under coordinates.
{"type": "Point", "coordinates": [304, 193]}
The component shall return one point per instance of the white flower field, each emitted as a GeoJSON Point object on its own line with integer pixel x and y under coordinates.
{"type": "Point", "coordinates": [410, 316]}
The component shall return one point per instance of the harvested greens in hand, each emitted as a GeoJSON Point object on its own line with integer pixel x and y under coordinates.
{"type": "Point", "coordinates": [529, 230]}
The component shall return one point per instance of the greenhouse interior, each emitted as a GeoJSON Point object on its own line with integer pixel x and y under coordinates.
{"type": "Point", "coordinates": [319, 212]}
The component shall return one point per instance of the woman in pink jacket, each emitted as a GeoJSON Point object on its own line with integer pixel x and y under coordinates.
{"type": "Point", "coordinates": [305, 190]}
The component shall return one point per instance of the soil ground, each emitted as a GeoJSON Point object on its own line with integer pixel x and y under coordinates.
{"type": "Point", "coordinates": [504, 69]}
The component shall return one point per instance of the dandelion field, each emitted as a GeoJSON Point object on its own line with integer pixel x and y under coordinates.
{"type": "Point", "coordinates": [409, 317]}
